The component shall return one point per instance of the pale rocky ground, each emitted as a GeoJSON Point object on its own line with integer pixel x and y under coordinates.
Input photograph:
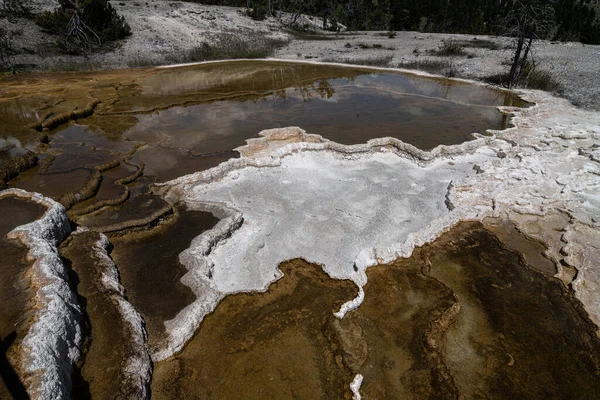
{"type": "Point", "coordinates": [163, 32]}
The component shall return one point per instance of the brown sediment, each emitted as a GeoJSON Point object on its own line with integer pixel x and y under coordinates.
{"type": "Point", "coordinates": [402, 321]}
{"type": "Point", "coordinates": [532, 250]}
{"type": "Point", "coordinates": [148, 261]}
{"type": "Point", "coordinates": [108, 344]}
{"type": "Point", "coordinates": [13, 167]}
{"type": "Point", "coordinates": [89, 189]}
{"type": "Point", "coordinates": [52, 185]}
{"type": "Point", "coordinates": [467, 317]}
{"type": "Point", "coordinates": [51, 123]}
{"type": "Point", "coordinates": [114, 200]}
{"type": "Point", "coordinates": [139, 212]}
{"type": "Point", "coordinates": [270, 345]}
{"type": "Point", "coordinates": [522, 333]}
{"type": "Point", "coordinates": [15, 291]}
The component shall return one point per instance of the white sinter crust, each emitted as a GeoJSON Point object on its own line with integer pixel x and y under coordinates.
{"type": "Point", "coordinates": [52, 343]}
{"type": "Point", "coordinates": [292, 194]}
{"type": "Point", "coordinates": [137, 368]}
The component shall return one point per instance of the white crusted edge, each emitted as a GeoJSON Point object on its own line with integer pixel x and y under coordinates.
{"type": "Point", "coordinates": [181, 328]}
{"type": "Point", "coordinates": [52, 344]}
{"type": "Point", "coordinates": [318, 143]}
{"type": "Point", "coordinates": [138, 366]}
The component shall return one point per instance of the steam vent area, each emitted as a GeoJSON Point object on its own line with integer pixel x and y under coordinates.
{"type": "Point", "coordinates": [278, 230]}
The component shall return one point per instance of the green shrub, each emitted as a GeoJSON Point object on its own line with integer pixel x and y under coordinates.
{"type": "Point", "coordinates": [449, 48]}
{"type": "Point", "coordinates": [259, 12]}
{"type": "Point", "coordinates": [101, 16]}
{"type": "Point", "coordinates": [300, 34]}
{"type": "Point", "coordinates": [481, 44]}
{"type": "Point", "coordinates": [54, 22]}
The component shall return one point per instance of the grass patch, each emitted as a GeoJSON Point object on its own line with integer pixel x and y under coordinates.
{"type": "Point", "coordinates": [388, 34]}
{"type": "Point", "coordinates": [449, 48]}
{"type": "Point", "coordinates": [538, 79]}
{"type": "Point", "coordinates": [299, 35]}
{"type": "Point", "coordinates": [481, 44]}
{"type": "Point", "coordinates": [543, 80]}
{"type": "Point", "coordinates": [233, 46]}
{"type": "Point", "coordinates": [225, 46]}
{"type": "Point", "coordinates": [365, 46]}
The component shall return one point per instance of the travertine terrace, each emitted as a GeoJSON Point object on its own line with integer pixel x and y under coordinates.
{"type": "Point", "coordinates": [319, 190]}
{"type": "Point", "coordinates": [295, 213]}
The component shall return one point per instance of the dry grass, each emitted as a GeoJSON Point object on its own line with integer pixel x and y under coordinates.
{"type": "Point", "coordinates": [231, 46]}
{"type": "Point", "coordinates": [538, 79]}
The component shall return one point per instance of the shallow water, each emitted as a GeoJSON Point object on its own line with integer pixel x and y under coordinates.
{"type": "Point", "coordinates": [15, 212]}
{"type": "Point", "coordinates": [176, 121]}
{"type": "Point", "coordinates": [148, 262]}
{"type": "Point", "coordinates": [107, 335]}
{"type": "Point", "coordinates": [345, 105]}
{"type": "Point", "coordinates": [474, 302]}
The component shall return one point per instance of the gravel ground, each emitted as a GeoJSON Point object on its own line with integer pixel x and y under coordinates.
{"type": "Point", "coordinates": [165, 31]}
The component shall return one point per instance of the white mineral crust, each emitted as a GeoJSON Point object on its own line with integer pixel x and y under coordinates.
{"type": "Point", "coordinates": [52, 344]}
{"type": "Point", "coordinates": [137, 367]}
{"type": "Point", "coordinates": [351, 207]}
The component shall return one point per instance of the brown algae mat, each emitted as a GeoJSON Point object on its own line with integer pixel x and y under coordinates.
{"type": "Point", "coordinates": [148, 262]}
{"type": "Point", "coordinates": [15, 291]}
{"type": "Point", "coordinates": [264, 345]}
{"type": "Point", "coordinates": [464, 317]}
{"type": "Point", "coordinates": [467, 317]}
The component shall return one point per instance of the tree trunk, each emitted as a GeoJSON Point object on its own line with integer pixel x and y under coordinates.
{"type": "Point", "coordinates": [512, 77]}
{"type": "Point", "coordinates": [525, 56]}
